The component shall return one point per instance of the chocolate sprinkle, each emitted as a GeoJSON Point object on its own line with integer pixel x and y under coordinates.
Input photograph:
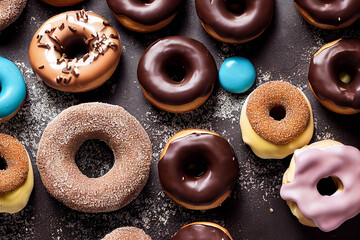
{"type": "Point", "coordinates": [58, 79]}
{"type": "Point", "coordinates": [75, 72]}
{"type": "Point", "coordinates": [112, 46]}
{"type": "Point", "coordinates": [39, 39]}
{"type": "Point", "coordinates": [72, 28]}
{"type": "Point", "coordinates": [41, 67]}
{"type": "Point", "coordinates": [114, 36]}
{"type": "Point", "coordinates": [55, 39]}
{"type": "Point", "coordinates": [86, 56]}
{"type": "Point", "coordinates": [62, 26]}
{"type": "Point", "coordinates": [106, 23]}
{"type": "Point", "coordinates": [42, 45]}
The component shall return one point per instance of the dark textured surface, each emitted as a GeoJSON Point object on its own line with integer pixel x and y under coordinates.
{"type": "Point", "coordinates": [283, 52]}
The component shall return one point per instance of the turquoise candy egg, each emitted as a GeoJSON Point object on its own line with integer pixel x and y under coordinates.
{"type": "Point", "coordinates": [13, 89]}
{"type": "Point", "coordinates": [237, 74]}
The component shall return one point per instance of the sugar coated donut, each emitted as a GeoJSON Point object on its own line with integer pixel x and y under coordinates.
{"type": "Point", "coordinates": [144, 16]}
{"type": "Point", "coordinates": [13, 89]}
{"type": "Point", "coordinates": [122, 133]}
{"type": "Point", "coordinates": [172, 55]}
{"type": "Point", "coordinates": [237, 74]}
{"type": "Point", "coordinates": [16, 177]}
{"type": "Point", "coordinates": [308, 167]}
{"type": "Point", "coordinates": [202, 230]}
{"type": "Point", "coordinates": [334, 76]}
{"type": "Point", "coordinates": [330, 15]}
{"type": "Point", "coordinates": [127, 233]}
{"type": "Point", "coordinates": [10, 10]}
{"type": "Point", "coordinates": [235, 21]}
{"type": "Point", "coordinates": [276, 119]}
{"type": "Point", "coordinates": [191, 165]}
{"type": "Point", "coordinates": [62, 3]}
{"type": "Point", "coordinates": [66, 34]}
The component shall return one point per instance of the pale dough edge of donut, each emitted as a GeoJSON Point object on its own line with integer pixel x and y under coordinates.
{"type": "Point", "coordinates": [177, 108]}
{"type": "Point", "coordinates": [141, 28]}
{"type": "Point", "coordinates": [267, 150]}
{"type": "Point", "coordinates": [211, 224]}
{"type": "Point", "coordinates": [17, 199]}
{"type": "Point", "coordinates": [289, 177]}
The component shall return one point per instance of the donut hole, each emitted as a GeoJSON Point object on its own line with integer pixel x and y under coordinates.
{"type": "Point", "coordinates": [75, 47]}
{"type": "Point", "coordinates": [94, 158]}
{"type": "Point", "coordinates": [196, 167]}
{"type": "Point", "coordinates": [346, 75]}
{"type": "Point", "coordinates": [175, 68]}
{"type": "Point", "coordinates": [329, 186]}
{"type": "Point", "coordinates": [3, 164]}
{"type": "Point", "coordinates": [278, 112]}
{"type": "Point", "coordinates": [236, 7]}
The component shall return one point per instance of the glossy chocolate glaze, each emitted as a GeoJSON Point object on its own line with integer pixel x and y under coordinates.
{"type": "Point", "coordinates": [148, 12]}
{"type": "Point", "coordinates": [331, 12]}
{"type": "Point", "coordinates": [219, 177]}
{"type": "Point", "coordinates": [200, 232]}
{"type": "Point", "coordinates": [251, 22]}
{"type": "Point", "coordinates": [324, 73]}
{"type": "Point", "coordinates": [199, 65]}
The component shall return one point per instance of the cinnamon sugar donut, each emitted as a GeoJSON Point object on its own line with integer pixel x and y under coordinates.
{"type": "Point", "coordinates": [10, 10]}
{"type": "Point", "coordinates": [276, 119]}
{"type": "Point", "coordinates": [67, 132]}
{"type": "Point", "coordinates": [16, 179]}
{"type": "Point", "coordinates": [127, 233]}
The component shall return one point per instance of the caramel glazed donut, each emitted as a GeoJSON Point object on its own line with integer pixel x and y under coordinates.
{"type": "Point", "coordinates": [330, 15]}
{"type": "Point", "coordinates": [167, 55]}
{"type": "Point", "coordinates": [127, 233]}
{"type": "Point", "coordinates": [10, 10]}
{"type": "Point", "coordinates": [144, 16]}
{"type": "Point", "coordinates": [276, 119]}
{"type": "Point", "coordinates": [58, 37]}
{"type": "Point", "coordinates": [63, 137]}
{"type": "Point", "coordinates": [308, 166]}
{"type": "Point", "coordinates": [235, 21]}
{"type": "Point", "coordinates": [198, 169]}
{"type": "Point", "coordinates": [202, 230]}
{"type": "Point", "coordinates": [334, 76]}
{"type": "Point", "coordinates": [16, 175]}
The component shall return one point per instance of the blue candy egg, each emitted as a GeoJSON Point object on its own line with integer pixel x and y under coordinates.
{"type": "Point", "coordinates": [237, 74]}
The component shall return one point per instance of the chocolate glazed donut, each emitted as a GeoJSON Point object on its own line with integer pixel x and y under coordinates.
{"type": "Point", "coordinates": [330, 14]}
{"type": "Point", "coordinates": [176, 52]}
{"type": "Point", "coordinates": [144, 15]}
{"type": "Point", "coordinates": [198, 169]}
{"type": "Point", "coordinates": [324, 76]}
{"type": "Point", "coordinates": [235, 21]}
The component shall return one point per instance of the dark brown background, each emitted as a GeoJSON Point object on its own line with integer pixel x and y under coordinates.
{"type": "Point", "coordinates": [281, 53]}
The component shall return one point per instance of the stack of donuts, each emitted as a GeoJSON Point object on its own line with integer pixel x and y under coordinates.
{"type": "Point", "coordinates": [78, 51]}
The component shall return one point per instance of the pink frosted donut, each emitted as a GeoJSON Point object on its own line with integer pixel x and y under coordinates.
{"type": "Point", "coordinates": [127, 233]}
{"type": "Point", "coordinates": [311, 164]}
{"type": "Point", "coordinates": [123, 134]}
